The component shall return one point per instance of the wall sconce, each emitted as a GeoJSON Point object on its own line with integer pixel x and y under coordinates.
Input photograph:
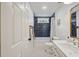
{"type": "Point", "coordinates": [58, 22]}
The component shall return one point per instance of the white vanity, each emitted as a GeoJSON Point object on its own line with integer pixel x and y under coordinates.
{"type": "Point", "coordinates": [65, 48]}
{"type": "Point", "coordinates": [53, 50]}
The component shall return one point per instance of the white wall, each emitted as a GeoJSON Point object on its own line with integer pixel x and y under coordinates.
{"type": "Point", "coordinates": [63, 30]}
{"type": "Point", "coordinates": [31, 21]}
{"type": "Point", "coordinates": [52, 30]}
{"type": "Point", "coordinates": [0, 29]}
{"type": "Point", "coordinates": [78, 23]}
{"type": "Point", "coordinates": [14, 28]}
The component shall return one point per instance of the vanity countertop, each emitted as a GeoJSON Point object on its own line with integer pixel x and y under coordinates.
{"type": "Point", "coordinates": [67, 48]}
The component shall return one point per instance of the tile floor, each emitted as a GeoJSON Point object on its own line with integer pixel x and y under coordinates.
{"type": "Point", "coordinates": [39, 48]}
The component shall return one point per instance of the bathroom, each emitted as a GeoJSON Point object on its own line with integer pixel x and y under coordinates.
{"type": "Point", "coordinates": [39, 29]}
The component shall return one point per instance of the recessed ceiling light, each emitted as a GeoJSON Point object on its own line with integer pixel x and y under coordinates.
{"type": "Point", "coordinates": [44, 7]}
{"type": "Point", "coordinates": [67, 2]}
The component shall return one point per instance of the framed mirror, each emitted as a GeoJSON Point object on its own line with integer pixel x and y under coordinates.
{"type": "Point", "coordinates": [74, 21]}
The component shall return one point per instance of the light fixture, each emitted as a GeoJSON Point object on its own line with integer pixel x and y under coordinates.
{"type": "Point", "coordinates": [44, 7]}
{"type": "Point", "coordinates": [67, 2]}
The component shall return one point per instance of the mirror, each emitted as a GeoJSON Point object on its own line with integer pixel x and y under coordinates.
{"type": "Point", "coordinates": [74, 22]}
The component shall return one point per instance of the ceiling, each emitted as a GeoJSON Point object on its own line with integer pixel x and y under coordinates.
{"type": "Point", "coordinates": [45, 8]}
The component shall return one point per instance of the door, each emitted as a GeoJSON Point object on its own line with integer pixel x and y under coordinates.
{"type": "Point", "coordinates": [42, 27]}
{"type": "Point", "coordinates": [10, 30]}
{"type": "Point", "coordinates": [14, 30]}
